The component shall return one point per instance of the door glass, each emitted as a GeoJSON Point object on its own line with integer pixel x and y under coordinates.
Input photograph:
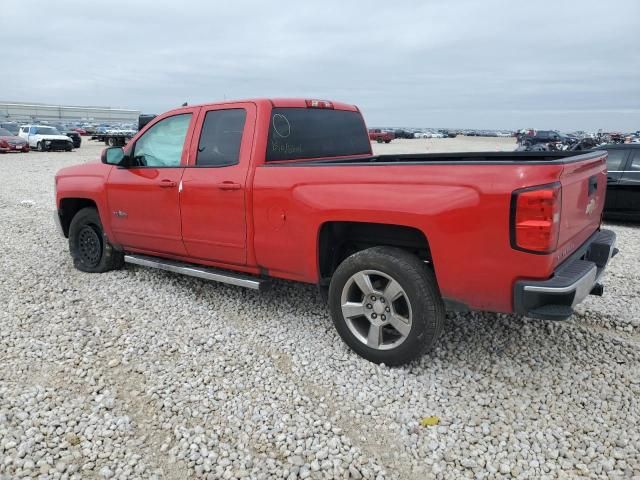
{"type": "Point", "coordinates": [615, 159]}
{"type": "Point", "coordinates": [635, 161]}
{"type": "Point", "coordinates": [161, 145]}
{"type": "Point", "coordinates": [221, 136]}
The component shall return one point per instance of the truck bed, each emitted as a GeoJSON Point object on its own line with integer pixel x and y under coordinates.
{"type": "Point", "coordinates": [462, 202]}
{"type": "Point", "coordinates": [489, 158]}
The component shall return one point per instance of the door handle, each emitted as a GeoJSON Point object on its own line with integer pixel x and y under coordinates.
{"type": "Point", "coordinates": [167, 184]}
{"type": "Point", "coordinates": [229, 186]}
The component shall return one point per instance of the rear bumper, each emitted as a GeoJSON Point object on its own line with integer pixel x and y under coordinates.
{"type": "Point", "coordinates": [577, 277]}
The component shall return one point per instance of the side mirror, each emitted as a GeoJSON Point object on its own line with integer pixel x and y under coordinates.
{"type": "Point", "coordinates": [112, 155]}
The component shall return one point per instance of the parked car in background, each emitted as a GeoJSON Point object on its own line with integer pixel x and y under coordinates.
{"type": "Point", "coordinates": [80, 130]}
{"type": "Point", "coordinates": [429, 134]}
{"type": "Point", "coordinates": [541, 136]}
{"type": "Point", "coordinates": [623, 181]}
{"type": "Point", "coordinates": [72, 134]}
{"type": "Point", "coordinates": [401, 133]}
{"type": "Point", "coordinates": [45, 137]}
{"type": "Point", "coordinates": [380, 135]}
{"type": "Point", "coordinates": [12, 143]}
{"type": "Point", "coordinates": [11, 127]}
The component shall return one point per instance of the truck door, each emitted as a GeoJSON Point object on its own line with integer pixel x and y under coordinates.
{"type": "Point", "coordinates": [628, 202]}
{"type": "Point", "coordinates": [616, 161]}
{"type": "Point", "coordinates": [214, 185]}
{"type": "Point", "coordinates": [143, 198]}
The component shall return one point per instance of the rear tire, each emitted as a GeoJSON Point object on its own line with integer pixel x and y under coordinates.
{"type": "Point", "coordinates": [89, 246]}
{"type": "Point", "coordinates": [398, 314]}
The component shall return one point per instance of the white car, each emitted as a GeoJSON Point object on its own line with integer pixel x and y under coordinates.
{"type": "Point", "coordinates": [44, 137]}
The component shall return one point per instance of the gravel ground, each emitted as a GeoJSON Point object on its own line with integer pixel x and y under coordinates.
{"type": "Point", "coordinates": [144, 374]}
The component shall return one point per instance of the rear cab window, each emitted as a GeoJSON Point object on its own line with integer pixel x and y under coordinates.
{"type": "Point", "coordinates": [310, 133]}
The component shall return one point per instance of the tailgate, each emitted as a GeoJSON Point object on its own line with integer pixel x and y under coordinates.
{"type": "Point", "coordinates": [584, 183]}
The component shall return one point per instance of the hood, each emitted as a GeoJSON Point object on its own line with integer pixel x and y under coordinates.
{"type": "Point", "coordinates": [53, 137]}
{"type": "Point", "coordinates": [89, 169]}
{"type": "Point", "coordinates": [13, 140]}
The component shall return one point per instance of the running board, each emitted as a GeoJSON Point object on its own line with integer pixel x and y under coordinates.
{"type": "Point", "coordinates": [197, 271]}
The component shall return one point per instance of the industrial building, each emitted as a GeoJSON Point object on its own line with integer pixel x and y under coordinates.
{"type": "Point", "coordinates": [32, 112]}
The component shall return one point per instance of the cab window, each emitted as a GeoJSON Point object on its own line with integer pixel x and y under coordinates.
{"type": "Point", "coordinates": [219, 144]}
{"type": "Point", "coordinates": [635, 161]}
{"type": "Point", "coordinates": [162, 144]}
{"type": "Point", "coordinates": [615, 159]}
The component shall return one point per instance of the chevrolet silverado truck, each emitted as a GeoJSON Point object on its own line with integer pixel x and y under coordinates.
{"type": "Point", "coordinates": [243, 192]}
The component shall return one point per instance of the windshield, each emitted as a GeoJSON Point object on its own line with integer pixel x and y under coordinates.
{"type": "Point", "coordinates": [47, 131]}
{"type": "Point", "coordinates": [315, 133]}
{"type": "Point", "coordinates": [11, 128]}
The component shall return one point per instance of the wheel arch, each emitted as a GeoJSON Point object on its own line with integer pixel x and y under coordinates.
{"type": "Point", "coordinates": [339, 239]}
{"type": "Point", "coordinates": [68, 207]}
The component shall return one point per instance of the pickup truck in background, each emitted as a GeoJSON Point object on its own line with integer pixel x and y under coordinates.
{"type": "Point", "coordinates": [241, 192]}
{"type": "Point", "coordinates": [381, 136]}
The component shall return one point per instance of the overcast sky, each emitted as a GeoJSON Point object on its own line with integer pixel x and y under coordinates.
{"type": "Point", "coordinates": [476, 64]}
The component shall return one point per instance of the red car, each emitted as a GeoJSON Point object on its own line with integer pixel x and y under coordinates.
{"type": "Point", "coordinates": [241, 192]}
{"type": "Point", "coordinates": [81, 131]}
{"type": "Point", "coordinates": [381, 136]}
{"type": "Point", "coordinates": [12, 143]}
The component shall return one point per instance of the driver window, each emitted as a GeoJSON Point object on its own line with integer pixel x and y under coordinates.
{"type": "Point", "coordinates": [161, 145]}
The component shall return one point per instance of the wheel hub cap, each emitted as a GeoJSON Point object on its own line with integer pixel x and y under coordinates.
{"type": "Point", "coordinates": [376, 309]}
{"type": "Point", "coordinates": [89, 246]}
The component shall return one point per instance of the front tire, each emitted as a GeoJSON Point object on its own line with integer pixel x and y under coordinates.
{"type": "Point", "coordinates": [89, 246]}
{"type": "Point", "coordinates": [386, 305]}
{"type": "Point", "coordinates": [40, 146]}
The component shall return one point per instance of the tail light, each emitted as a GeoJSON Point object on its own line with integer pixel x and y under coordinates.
{"type": "Point", "coordinates": [4, 144]}
{"type": "Point", "coordinates": [318, 104]}
{"type": "Point", "coordinates": [535, 218]}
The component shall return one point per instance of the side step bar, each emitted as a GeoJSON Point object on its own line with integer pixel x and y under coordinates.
{"type": "Point", "coordinates": [197, 271]}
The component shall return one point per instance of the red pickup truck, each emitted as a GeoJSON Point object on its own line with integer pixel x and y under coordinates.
{"type": "Point", "coordinates": [380, 136]}
{"type": "Point", "coordinates": [240, 192]}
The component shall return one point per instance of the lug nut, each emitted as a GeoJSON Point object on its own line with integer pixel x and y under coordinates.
{"type": "Point", "coordinates": [381, 299]}
{"type": "Point", "coordinates": [373, 297]}
{"type": "Point", "coordinates": [383, 317]}
{"type": "Point", "coordinates": [388, 309]}
{"type": "Point", "coordinates": [369, 306]}
{"type": "Point", "coordinates": [373, 315]}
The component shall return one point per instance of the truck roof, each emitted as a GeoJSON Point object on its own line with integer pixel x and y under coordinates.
{"type": "Point", "coordinates": [276, 103]}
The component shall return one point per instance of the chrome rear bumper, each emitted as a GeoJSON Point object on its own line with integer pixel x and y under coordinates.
{"type": "Point", "coordinates": [577, 277]}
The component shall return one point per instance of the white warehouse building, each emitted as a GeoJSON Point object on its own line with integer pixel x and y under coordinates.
{"type": "Point", "coordinates": [30, 112]}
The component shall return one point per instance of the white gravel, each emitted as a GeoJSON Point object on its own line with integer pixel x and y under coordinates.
{"type": "Point", "coordinates": [144, 374]}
